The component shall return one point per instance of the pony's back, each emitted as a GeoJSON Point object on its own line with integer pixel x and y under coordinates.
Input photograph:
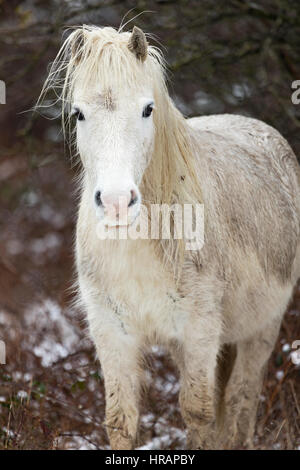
{"type": "Point", "coordinates": [250, 183]}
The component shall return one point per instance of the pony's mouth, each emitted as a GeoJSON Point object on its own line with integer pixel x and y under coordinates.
{"type": "Point", "coordinates": [119, 224]}
{"type": "Point", "coordinates": [111, 227]}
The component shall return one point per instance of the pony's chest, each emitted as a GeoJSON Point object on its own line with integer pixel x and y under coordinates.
{"type": "Point", "coordinates": [144, 294]}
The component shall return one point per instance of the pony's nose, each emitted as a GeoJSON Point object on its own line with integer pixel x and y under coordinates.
{"type": "Point", "coordinates": [98, 198]}
{"type": "Point", "coordinates": [116, 201]}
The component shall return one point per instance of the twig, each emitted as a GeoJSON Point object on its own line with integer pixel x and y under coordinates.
{"type": "Point", "coordinates": [8, 425]}
{"type": "Point", "coordinates": [69, 434]}
{"type": "Point", "coordinates": [294, 396]}
{"type": "Point", "coordinates": [279, 431]}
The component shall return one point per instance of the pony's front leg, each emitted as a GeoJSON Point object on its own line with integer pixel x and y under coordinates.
{"type": "Point", "coordinates": [119, 358]}
{"type": "Point", "coordinates": [197, 394]}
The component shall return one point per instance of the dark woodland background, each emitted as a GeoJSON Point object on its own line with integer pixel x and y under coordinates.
{"type": "Point", "coordinates": [224, 57]}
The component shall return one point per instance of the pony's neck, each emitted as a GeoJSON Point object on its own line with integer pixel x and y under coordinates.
{"type": "Point", "coordinates": [171, 176]}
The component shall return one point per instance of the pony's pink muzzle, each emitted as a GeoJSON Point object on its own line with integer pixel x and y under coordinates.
{"type": "Point", "coordinates": [117, 207]}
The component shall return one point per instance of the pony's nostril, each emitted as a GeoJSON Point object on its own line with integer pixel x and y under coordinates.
{"type": "Point", "coordinates": [133, 199]}
{"type": "Point", "coordinates": [98, 198]}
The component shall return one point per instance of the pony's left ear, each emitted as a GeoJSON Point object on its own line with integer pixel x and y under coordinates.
{"type": "Point", "coordinates": [138, 44]}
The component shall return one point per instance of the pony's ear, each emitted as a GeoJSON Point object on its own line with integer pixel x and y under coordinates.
{"type": "Point", "coordinates": [138, 44]}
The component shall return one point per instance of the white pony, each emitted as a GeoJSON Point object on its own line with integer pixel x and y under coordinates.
{"type": "Point", "coordinates": [217, 310]}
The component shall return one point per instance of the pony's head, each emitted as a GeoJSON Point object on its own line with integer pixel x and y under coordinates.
{"type": "Point", "coordinates": [111, 84]}
{"type": "Point", "coordinates": [131, 138]}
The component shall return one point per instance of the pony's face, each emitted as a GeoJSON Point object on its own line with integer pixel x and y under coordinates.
{"type": "Point", "coordinates": [113, 100]}
{"type": "Point", "coordinates": [115, 134]}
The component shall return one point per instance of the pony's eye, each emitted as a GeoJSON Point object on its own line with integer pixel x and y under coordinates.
{"type": "Point", "coordinates": [79, 115]}
{"type": "Point", "coordinates": [148, 110]}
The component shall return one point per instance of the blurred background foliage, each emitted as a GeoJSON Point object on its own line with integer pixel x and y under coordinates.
{"type": "Point", "coordinates": [229, 56]}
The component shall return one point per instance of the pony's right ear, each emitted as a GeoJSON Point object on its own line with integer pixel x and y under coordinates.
{"type": "Point", "coordinates": [76, 44]}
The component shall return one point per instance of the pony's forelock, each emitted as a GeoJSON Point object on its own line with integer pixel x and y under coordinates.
{"type": "Point", "coordinates": [91, 54]}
